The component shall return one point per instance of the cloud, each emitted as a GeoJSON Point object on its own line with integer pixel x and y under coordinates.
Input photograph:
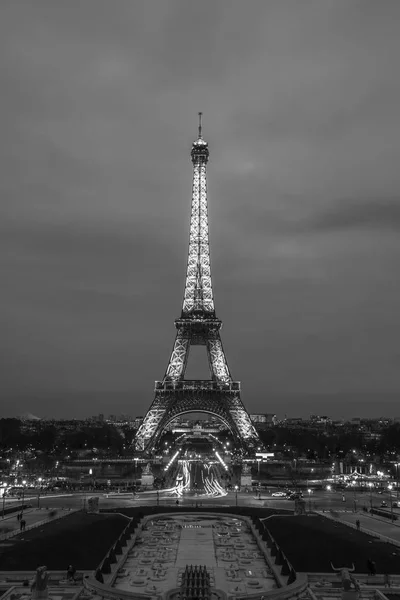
{"type": "Point", "coordinates": [98, 112]}
{"type": "Point", "coordinates": [383, 215]}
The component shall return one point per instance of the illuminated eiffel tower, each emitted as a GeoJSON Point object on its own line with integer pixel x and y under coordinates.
{"type": "Point", "coordinates": [198, 325]}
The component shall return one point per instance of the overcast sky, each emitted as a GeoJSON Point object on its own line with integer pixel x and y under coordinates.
{"type": "Point", "coordinates": [98, 110]}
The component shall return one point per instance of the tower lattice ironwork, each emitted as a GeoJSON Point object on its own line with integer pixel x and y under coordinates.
{"type": "Point", "coordinates": [198, 325]}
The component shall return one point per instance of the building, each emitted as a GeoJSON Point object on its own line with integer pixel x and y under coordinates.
{"type": "Point", "coordinates": [294, 422]}
{"type": "Point", "coordinates": [267, 418]}
{"type": "Point", "coordinates": [320, 420]}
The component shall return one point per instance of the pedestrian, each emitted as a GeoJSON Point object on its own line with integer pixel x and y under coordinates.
{"type": "Point", "coordinates": [18, 516]}
{"type": "Point", "coordinates": [358, 524]}
{"type": "Point", "coordinates": [373, 569]}
{"type": "Point", "coordinates": [386, 579]}
{"type": "Point", "coordinates": [20, 524]}
{"type": "Point", "coordinates": [71, 573]}
{"type": "Point", "coordinates": [369, 566]}
{"type": "Point", "coordinates": [23, 524]}
{"type": "Point", "coordinates": [177, 502]}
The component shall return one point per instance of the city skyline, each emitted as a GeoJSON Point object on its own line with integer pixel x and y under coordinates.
{"type": "Point", "coordinates": [103, 403]}
{"type": "Point", "coordinates": [300, 105]}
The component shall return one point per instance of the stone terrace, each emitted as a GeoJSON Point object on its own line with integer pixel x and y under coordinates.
{"type": "Point", "coordinates": [225, 545]}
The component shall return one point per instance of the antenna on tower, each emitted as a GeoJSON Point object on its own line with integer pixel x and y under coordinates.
{"type": "Point", "coordinates": [200, 115]}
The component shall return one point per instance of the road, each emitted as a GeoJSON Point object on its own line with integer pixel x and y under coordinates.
{"type": "Point", "coordinates": [201, 482]}
{"type": "Point", "coordinates": [321, 500]}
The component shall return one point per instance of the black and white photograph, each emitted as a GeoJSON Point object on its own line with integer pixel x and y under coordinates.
{"type": "Point", "coordinates": [199, 305]}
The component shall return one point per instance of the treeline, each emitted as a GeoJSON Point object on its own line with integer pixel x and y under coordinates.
{"type": "Point", "coordinates": [49, 438]}
{"type": "Point", "coordinates": [52, 439]}
{"type": "Point", "coordinates": [315, 444]}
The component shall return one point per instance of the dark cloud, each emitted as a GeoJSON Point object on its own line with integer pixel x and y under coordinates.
{"type": "Point", "coordinates": [358, 214]}
{"type": "Point", "coordinates": [98, 111]}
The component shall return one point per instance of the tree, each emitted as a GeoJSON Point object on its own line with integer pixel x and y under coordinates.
{"type": "Point", "coordinates": [10, 432]}
{"type": "Point", "coordinates": [390, 440]}
{"type": "Point", "coordinates": [129, 434]}
{"type": "Point", "coordinates": [294, 476]}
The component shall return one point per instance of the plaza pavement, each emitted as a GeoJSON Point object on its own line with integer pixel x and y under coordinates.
{"type": "Point", "coordinates": [382, 527]}
{"type": "Point", "coordinates": [9, 526]}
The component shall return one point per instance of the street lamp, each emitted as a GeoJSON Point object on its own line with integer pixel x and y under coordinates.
{"type": "Point", "coordinates": [354, 496]}
{"type": "Point", "coordinates": [135, 463]}
{"type": "Point", "coordinates": [309, 500]}
{"type": "Point", "coordinates": [38, 496]}
{"type": "Point", "coordinates": [371, 485]}
{"type": "Point", "coordinates": [236, 493]}
{"type": "Point", "coordinates": [23, 496]}
{"type": "Point", "coordinates": [390, 487]}
{"type": "Point", "coordinates": [4, 500]}
{"type": "Point", "coordinates": [258, 469]}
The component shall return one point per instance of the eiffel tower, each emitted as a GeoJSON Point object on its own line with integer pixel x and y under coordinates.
{"type": "Point", "coordinates": [198, 325]}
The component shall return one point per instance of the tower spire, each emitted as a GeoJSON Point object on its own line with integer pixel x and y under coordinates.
{"type": "Point", "coordinates": [198, 293]}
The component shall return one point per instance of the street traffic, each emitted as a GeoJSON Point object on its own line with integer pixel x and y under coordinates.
{"type": "Point", "coordinates": [211, 493]}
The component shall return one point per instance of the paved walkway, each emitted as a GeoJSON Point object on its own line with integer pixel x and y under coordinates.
{"type": "Point", "coordinates": [9, 526]}
{"type": "Point", "coordinates": [382, 527]}
{"type": "Point", "coordinates": [196, 546]}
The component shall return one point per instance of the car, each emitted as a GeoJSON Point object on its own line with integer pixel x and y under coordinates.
{"type": "Point", "coordinates": [295, 496]}
{"type": "Point", "coordinates": [380, 491]}
{"type": "Point", "coordinates": [396, 504]}
{"type": "Point", "coordinates": [278, 494]}
{"type": "Point", "coordinates": [383, 504]}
